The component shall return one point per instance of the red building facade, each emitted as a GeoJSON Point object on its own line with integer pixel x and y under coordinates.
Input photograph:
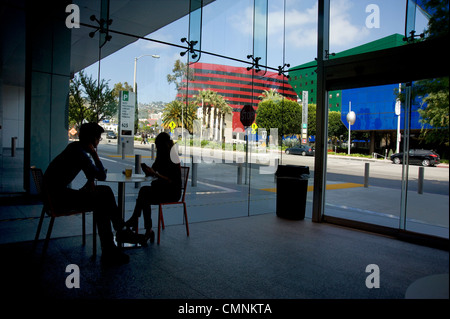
{"type": "Point", "coordinates": [237, 85]}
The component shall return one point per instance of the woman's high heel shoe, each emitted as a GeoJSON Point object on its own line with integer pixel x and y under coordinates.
{"type": "Point", "coordinates": [150, 234]}
{"type": "Point", "coordinates": [132, 223]}
{"type": "Point", "coordinates": [143, 239]}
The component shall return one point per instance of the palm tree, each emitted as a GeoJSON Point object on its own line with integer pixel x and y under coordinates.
{"type": "Point", "coordinates": [214, 110]}
{"type": "Point", "coordinates": [224, 109]}
{"type": "Point", "coordinates": [173, 113]}
{"type": "Point", "coordinates": [271, 94]}
{"type": "Point", "coordinates": [190, 114]}
{"type": "Point", "coordinates": [205, 98]}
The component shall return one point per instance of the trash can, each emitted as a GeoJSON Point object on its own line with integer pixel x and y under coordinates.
{"type": "Point", "coordinates": [292, 188]}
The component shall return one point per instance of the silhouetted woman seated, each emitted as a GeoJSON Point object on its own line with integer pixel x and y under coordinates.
{"type": "Point", "coordinates": [166, 188]}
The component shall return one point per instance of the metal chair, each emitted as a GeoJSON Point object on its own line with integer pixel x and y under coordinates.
{"type": "Point", "coordinates": [48, 208]}
{"type": "Point", "coordinates": [184, 180]}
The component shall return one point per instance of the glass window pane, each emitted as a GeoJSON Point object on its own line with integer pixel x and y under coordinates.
{"type": "Point", "coordinates": [363, 26]}
{"type": "Point", "coordinates": [366, 178]}
{"type": "Point", "coordinates": [427, 201]}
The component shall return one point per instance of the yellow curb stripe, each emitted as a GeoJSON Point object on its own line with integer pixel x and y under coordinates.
{"type": "Point", "coordinates": [328, 187]}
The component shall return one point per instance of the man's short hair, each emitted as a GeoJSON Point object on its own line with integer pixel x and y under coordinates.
{"type": "Point", "coordinates": [88, 132]}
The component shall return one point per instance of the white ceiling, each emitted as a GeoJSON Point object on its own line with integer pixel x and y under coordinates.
{"type": "Point", "coordinates": [136, 17]}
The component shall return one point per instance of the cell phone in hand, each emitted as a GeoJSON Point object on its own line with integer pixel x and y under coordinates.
{"type": "Point", "coordinates": [146, 169]}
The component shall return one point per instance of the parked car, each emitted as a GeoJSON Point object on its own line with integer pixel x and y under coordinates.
{"type": "Point", "coordinates": [300, 150]}
{"type": "Point", "coordinates": [111, 135]}
{"type": "Point", "coordinates": [416, 156]}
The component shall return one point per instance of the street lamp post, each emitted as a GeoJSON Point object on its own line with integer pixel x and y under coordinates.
{"type": "Point", "coordinates": [351, 118]}
{"type": "Point", "coordinates": [135, 63]}
{"type": "Point", "coordinates": [155, 56]}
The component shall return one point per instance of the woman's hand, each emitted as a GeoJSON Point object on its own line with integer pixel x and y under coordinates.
{"type": "Point", "coordinates": [148, 170]}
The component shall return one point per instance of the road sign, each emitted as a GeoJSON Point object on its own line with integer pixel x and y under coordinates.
{"type": "Point", "coordinates": [304, 115]}
{"type": "Point", "coordinates": [247, 115]}
{"type": "Point", "coordinates": [304, 106]}
{"type": "Point", "coordinates": [254, 128]}
{"type": "Point", "coordinates": [126, 113]}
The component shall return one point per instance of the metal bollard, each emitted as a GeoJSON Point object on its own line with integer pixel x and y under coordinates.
{"type": "Point", "coordinates": [13, 146]}
{"type": "Point", "coordinates": [194, 174]}
{"type": "Point", "coordinates": [137, 168]}
{"type": "Point", "coordinates": [420, 180]}
{"type": "Point", "coordinates": [277, 161]}
{"type": "Point", "coordinates": [366, 175]}
{"type": "Point", "coordinates": [239, 173]}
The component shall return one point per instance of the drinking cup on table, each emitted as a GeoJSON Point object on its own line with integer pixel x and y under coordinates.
{"type": "Point", "coordinates": [128, 171]}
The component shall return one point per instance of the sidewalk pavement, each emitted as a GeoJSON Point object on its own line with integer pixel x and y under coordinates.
{"type": "Point", "coordinates": [426, 213]}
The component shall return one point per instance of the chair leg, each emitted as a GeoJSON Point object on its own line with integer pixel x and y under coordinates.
{"type": "Point", "coordinates": [41, 220]}
{"type": "Point", "coordinates": [159, 224]}
{"type": "Point", "coordinates": [83, 221]}
{"type": "Point", "coordinates": [49, 232]}
{"type": "Point", "coordinates": [94, 236]}
{"type": "Point", "coordinates": [162, 218]}
{"type": "Point", "coordinates": [186, 219]}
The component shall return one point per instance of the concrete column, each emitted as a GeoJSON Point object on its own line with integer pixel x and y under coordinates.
{"type": "Point", "coordinates": [47, 78]}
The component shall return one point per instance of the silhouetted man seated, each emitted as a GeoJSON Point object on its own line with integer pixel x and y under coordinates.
{"type": "Point", "coordinates": [82, 155]}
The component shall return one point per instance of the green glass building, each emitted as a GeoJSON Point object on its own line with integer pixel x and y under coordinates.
{"type": "Point", "coordinates": [303, 77]}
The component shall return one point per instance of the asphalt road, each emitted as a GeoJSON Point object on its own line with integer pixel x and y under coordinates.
{"type": "Point", "coordinates": [382, 173]}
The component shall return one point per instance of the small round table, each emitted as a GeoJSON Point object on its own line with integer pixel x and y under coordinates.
{"type": "Point", "coordinates": [121, 179]}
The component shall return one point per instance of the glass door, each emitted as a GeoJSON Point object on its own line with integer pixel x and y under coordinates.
{"type": "Point", "coordinates": [425, 200]}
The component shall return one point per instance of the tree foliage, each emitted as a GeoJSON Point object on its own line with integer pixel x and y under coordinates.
{"type": "Point", "coordinates": [78, 109]}
{"type": "Point", "coordinates": [285, 115]}
{"type": "Point", "coordinates": [438, 22]}
{"type": "Point", "coordinates": [432, 96]}
{"type": "Point", "coordinates": [180, 72]}
{"type": "Point", "coordinates": [121, 87]}
{"type": "Point", "coordinates": [335, 126]}
{"type": "Point", "coordinates": [271, 94]}
{"type": "Point", "coordinates": [90, 100]}
{"type": "Point", "coordinates": [435, 93]}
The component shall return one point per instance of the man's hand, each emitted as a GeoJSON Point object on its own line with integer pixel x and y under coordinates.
{"type": "Point", "coordinates": [93, 152]}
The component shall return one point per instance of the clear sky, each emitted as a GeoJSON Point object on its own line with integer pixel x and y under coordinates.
{"type": "Point", "coordinates": [227, 29]}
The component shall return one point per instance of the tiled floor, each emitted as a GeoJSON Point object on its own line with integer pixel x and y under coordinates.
{"type": "Point", "coordinates": [254, 257]}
